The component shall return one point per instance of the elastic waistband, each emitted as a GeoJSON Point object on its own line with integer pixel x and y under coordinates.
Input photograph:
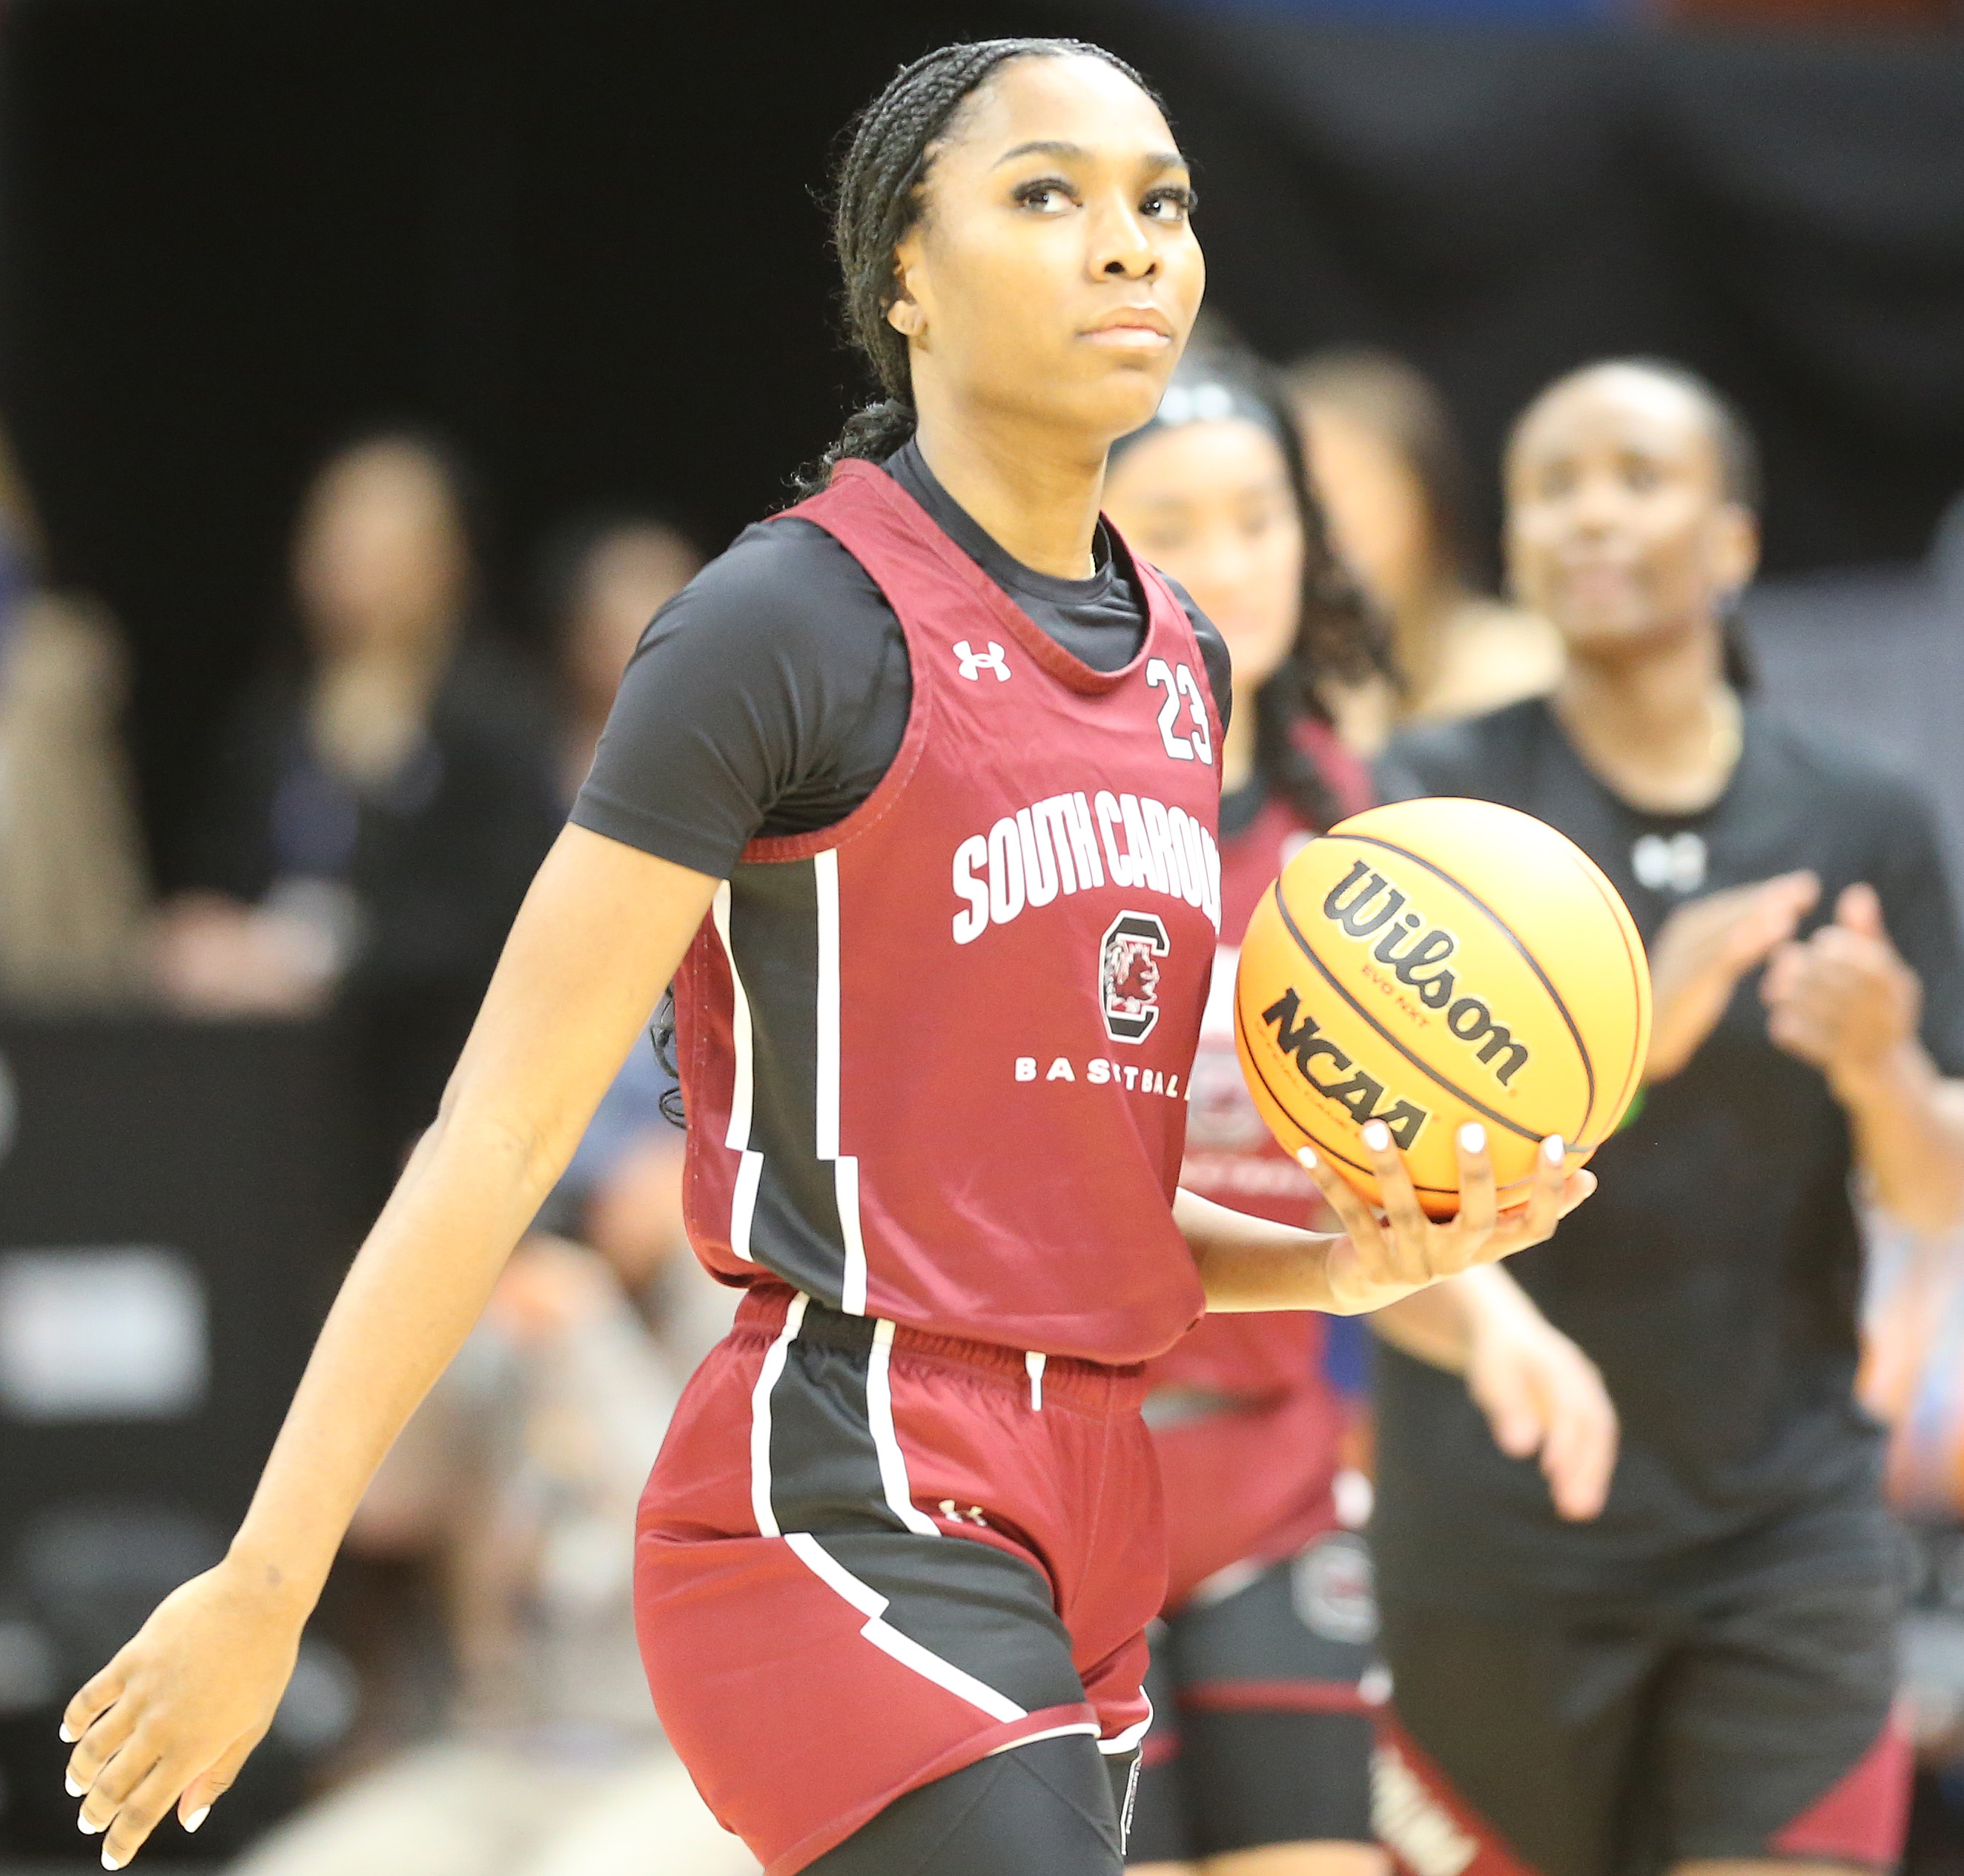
{"type": "Point", "coordinates": [1096, 1385]}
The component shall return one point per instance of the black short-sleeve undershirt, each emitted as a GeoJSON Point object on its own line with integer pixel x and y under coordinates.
{"type": "Point", "coordinates": [771, 694]}
{"type": "Point", "coordinates": [1715, 1276]}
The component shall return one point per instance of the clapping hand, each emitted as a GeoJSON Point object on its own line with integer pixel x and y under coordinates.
{"type": "Point", "coordinates": [1844, 1000]}
{"type": "Point", "coordinates": [1703, 949]}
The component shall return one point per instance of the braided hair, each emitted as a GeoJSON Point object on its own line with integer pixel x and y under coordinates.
{"type": "Point", "coordinates": [878, 196]}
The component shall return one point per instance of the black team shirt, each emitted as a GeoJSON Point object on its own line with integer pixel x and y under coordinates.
{"type": "Point", "coordinates": [1715, 1276]}
{"type": "Point", "coordinates": [770, 695]}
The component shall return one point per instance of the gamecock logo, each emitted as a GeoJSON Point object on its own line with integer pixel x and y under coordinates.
{"type": "Point", "coordinates": [1128, 975]}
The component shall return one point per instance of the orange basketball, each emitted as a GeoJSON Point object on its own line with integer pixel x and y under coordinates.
{"type": "Point", "coordinates": [1434, 962]}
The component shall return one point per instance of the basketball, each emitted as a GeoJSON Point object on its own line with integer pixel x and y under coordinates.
{"type": "Point", "coordinates": [1435, 962]}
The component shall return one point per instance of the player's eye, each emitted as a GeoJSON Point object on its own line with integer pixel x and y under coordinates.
{"type": "Point", "coordinates": [1047, 195]}
{"type": "Point", "coordinates": [1641, 474]}
{"type": "Point", "coordinates": [1172, 205]}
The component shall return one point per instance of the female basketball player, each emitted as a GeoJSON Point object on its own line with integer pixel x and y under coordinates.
{"type": "Point", "coordinates": [1703, 1677]}
{"type": "Point", "coordinates": [1258, 1759]}
{"type": "Point", "coordinates": [922, 778]}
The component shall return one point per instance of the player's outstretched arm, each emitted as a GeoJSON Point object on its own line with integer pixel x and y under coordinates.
{"type": "Point", "coordinates": [172, 1717]}
{"type": "Point", "coordinates": [1251, 1264]}
{"type": "Point", "coordinates": [1541, 1394]}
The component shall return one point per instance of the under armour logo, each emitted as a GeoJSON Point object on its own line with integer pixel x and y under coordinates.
{"type": "Point", "coordinates": [974, 663]}
{"type": "Point", "coordinates": [974, 1513]}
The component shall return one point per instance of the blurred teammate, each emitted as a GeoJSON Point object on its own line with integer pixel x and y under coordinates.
{"type": "Point", "coordinates": [1390, 471]}
{"type": "Point", "coordinates": [1703, 1676]}
{"type": "Point", "coordinates": [922, 778]}
{"type": "Point", "coordinates": [1258, 1757]}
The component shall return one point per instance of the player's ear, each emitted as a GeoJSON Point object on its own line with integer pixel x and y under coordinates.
{"type": "Point", "coordinates": [1735, 547]}
{"type": "Point", "coordinates": [906, 313]}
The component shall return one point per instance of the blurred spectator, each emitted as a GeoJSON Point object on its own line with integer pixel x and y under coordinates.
{"type": "Point", "coordinates": [603, 580]}
{"type": "Point", "coordinates": [1394, 481]}
{"type": "Point", "coordinates": [378, 812]}
{"type": "Point", "coordinates": [523, 1470]}
{"type": "Point", "coordinates": [72, 879]}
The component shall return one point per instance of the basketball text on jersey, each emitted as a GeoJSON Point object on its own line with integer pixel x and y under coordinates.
{"type": "Point", "coordinates": [1067, 843]}
{"type": "Point", "coordinates": [1374, 905]}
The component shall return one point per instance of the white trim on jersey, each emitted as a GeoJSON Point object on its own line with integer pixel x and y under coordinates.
{"type": "Point", "coordinates": [880, 1416]}
{"type": "Point", "coordinates": [750, 1167]}
{"type": "Point", "coordinates": [825, 874]}
{"type": "Point", "coordinates": [743, 1203]}
{"type": "Point", "coordinates": [852, 1283]}
{"type": "Point", "coordinates": [1126, 1740]}
{"type": "Point", "coordinates": [1048, 1733]}
{"type": "Point", "coordinates": [889, 1640]}
{"type": "Point", "coordinates": [760, 1417]}
{"type": "Point", "coordinates": [845, 1166]}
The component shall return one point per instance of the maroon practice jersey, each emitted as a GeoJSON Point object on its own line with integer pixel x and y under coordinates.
{"type": "Point", "coordinates": [937, 1057]}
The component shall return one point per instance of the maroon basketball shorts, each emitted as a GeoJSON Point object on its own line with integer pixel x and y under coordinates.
{"type": "Point", "coordinates": [868, 1557]}
{"type": "Point", "coordinates": [1754, 1722]}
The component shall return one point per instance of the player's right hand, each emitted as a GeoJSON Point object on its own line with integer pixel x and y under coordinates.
{"type": "Point", "coordinates": [1384, 1256]}
{"type": "Point", "coordinates": [1541, 1395]}
{"type": "Point", "coordinates": [171, 1719]}
{"type": "Point", "coordinates": [1703, 950]}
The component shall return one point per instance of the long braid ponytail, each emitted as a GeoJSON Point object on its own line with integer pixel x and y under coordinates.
{"type": "Point", "coordinates": [878, 198]}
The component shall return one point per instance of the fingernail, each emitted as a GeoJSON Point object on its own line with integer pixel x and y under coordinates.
{"type": "Point", "coordinates": [87, 1828]}
{"type": "Point", "coordinates": [109, 1861]}
{"type": "Point", "coordinates": [1473, 1138]}
{"type": "Point", "coordinates": [1553, 1148]}
{"type": "Point", "coordinates": [67, 1737]}
{"type": "Point", "coordinates": [1306, 1158]}
{"type": "Point", "coordinates": [70, 1787]}
{"type": "Point", "coordinates": [1377, 1136]}
{"type": "Point", "coordinates": [198, 1817]}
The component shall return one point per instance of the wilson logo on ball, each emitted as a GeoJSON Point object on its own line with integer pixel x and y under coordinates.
{"type": "Point", "coordinates": [1355, 996]}
{"type": "Point", "coordinates": [1374, 905]}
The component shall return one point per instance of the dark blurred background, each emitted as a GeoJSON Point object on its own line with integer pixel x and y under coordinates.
{"type": "Point", "coordinates": [585, 239]}
{"type": "Point", "coordinates": [586, 243]}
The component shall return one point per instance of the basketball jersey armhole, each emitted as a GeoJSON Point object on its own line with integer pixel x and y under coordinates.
{"type": "Point", "coordinates": [857, 483]}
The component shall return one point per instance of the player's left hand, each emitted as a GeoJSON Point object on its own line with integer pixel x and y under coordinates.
{"type": "Point", "coordinates": [1383, 1256]}
{"type": "Point", "coordinates": [1844, 999]}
